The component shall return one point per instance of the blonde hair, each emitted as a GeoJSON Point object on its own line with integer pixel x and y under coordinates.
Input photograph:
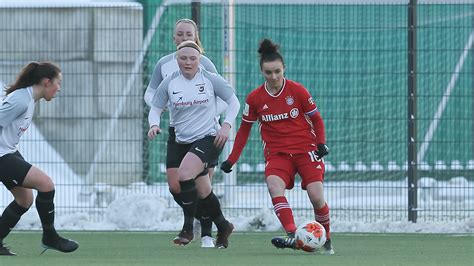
{"type": "Point", "coordinates": [196, 30]}
{"type": "Point", "coordinates": [190, 44]}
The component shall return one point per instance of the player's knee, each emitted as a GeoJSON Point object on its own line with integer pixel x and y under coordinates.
{"type": "Point", "coordinates": [25, 201]}
{"type": "Point", "coordinates": [173, 180]}
{"type": "Point", "coordinates": [318, 202]}
{"type": "Point", "coordinates": [42, 182]}
{"type": "Point", "coordinates": [203, 184]}
{"type": "Point", "coordinates": [204, 191]}
{"type": "Point", "coordinates": [174, 187]}
{"type": "Point", "coordinates": [276, 186]}
{"type": "Point", "coordinates": [185, 173]}
{"type": "Point", "coordinates": [46, 185]}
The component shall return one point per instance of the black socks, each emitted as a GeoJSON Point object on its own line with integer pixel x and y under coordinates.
{"type": "Point", "coordinates": [45, 208]}
{"type": "Point", "coordinates": [189, 202]}
{"type": "Point", "coordinates": [212, 205]}
{"type": "Point", "coordinates": [10, 217]}
{"type": "Point", "coordinates": [202, 215]}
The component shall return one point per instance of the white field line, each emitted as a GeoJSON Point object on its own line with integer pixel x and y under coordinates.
{"type": "Point", "coordinates": [444, 101]}
{"type": "Point", "coordinates": [128, 87]}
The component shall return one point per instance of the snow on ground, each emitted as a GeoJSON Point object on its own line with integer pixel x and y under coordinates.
{"type": "Point", "coordinates": [148, 208]}
{"type": "Point", "coordinates": [151, 208]}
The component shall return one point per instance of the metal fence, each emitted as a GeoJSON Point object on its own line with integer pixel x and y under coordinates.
{"type": "Point", "coordinates": [352, 56]}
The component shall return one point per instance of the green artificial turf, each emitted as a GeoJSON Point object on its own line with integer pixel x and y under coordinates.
{"type": "Point", "coordinates": [142, 248]}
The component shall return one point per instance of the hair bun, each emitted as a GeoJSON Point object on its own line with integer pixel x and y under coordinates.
{"type": "Point", "coordinates": [268, 47]}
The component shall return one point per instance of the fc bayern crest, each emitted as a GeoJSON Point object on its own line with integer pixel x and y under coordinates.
{"type": "Point", "coordinates": [289, 100]}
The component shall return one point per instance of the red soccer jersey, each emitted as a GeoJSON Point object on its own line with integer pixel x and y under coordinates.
{"type": "Point", "coordinates": [282, 118]}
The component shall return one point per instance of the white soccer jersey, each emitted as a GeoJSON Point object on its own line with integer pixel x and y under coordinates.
{"type": "Point", "coordinates": [16, 112]}
{"type": "Point", "coordinates": [192, 103]}
{"type": "Point", "coordinates": [166, 66]}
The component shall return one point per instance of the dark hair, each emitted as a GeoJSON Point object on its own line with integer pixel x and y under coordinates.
{"type": "Point", "coordinates": [33, 74]}
{"type": "Point", "coordinates": [269, 52]}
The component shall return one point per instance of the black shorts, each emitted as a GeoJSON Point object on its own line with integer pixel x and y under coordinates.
{"type": "Point", "coordinates": [13, 169]}
{"type": "Point", "coordinates": [206, 151]}
{"type": "Point", "coordinates": [174, 152]}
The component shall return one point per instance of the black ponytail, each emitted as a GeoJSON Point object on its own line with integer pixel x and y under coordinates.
{"type": "Point", "coordinates": [269, 52]}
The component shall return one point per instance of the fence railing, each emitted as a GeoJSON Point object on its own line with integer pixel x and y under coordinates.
{"type": "Point", "coordinates": [351, 56]}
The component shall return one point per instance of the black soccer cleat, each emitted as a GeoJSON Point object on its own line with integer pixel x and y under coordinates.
{"type": "Point", "coordinates": [287, 241]}
{"type": "Point", "coordinates": [5, 251]}
{"type": "Point", "coordinates": [183, 238]}
{"type": "Point", "coordinates": [222, 240]}
{"type": "Point", "coordinates": [59, 243]}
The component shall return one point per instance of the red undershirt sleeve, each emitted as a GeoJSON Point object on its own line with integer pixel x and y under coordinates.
{"type": "Point", "coordinates": [240, 141]}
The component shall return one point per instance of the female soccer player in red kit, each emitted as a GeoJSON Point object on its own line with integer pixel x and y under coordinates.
{"type": "Point", "coordinates": [293, 136]}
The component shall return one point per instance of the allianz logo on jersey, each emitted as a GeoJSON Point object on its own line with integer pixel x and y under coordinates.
{"type": "Point", "coordinates": [275, 117]}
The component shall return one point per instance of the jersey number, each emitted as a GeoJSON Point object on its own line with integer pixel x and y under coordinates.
{"type": "Point", "coordinates": [313, 156]}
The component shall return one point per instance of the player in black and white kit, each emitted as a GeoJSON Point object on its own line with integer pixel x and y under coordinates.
{"type": "Point", "coordinates": [184, 30]}
{"type": "Point", "coordinates": [36, 81]}
{"type": "Point", "coordinates": [192, 94]}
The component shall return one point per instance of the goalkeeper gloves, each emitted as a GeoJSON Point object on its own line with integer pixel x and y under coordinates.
{"type": "Point", "coordinates": [322, 151]}
{"type": "Point", "coordinates": [226, 166]}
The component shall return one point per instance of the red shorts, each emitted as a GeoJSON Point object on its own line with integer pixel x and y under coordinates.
{"type": "Point", "coordinates": [307, 165]}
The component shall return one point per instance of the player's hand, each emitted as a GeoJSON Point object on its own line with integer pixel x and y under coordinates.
{"type": "Point", "coordinates": [222, 136]}
{"type": "Point", "coordinates": [154, 130]}
{"type": "Point", "coordinates": [322, 151]}
{"type": "Point", "coordinates": [226, 166]}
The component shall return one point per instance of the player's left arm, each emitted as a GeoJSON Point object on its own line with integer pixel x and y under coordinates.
{"type": "Point", "coordinates": [312, 111]}
{"type": "Point", "coordinates": [208, 65]}
{"type": "Point", "coordinates": [224, 90]}
{"type": "Point", "coordinates": [12, 108]}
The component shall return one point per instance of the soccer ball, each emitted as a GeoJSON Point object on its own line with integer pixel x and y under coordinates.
{"type": "Point", "coordinates": [310, 236]}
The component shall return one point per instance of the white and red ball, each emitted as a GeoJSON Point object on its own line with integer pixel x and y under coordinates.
{"type": "Point", "coordinates": [310, 236]}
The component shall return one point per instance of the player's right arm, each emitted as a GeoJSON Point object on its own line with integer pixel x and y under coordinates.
{"type": "Point", "coordinates": [157, 105]}
{"type": "Point", "coordinates": [154, 122]}
{"type": "Point", "coordinates": [156, 79]}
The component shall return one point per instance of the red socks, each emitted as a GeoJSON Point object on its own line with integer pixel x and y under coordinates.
{"type": "Point", "coordinates": [283, 212]}
{"type": "Point", "coordinates": [322, 217]}
{"type": "Point", "coordinates": [285, 215]}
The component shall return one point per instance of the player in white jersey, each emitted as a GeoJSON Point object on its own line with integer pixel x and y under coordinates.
{"type": "Point", "coordinates": [36, 81]}
{"type": "Point", "coordinates": [192, 93]}
{"type": "Point", "coordinates": [184, 30]}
